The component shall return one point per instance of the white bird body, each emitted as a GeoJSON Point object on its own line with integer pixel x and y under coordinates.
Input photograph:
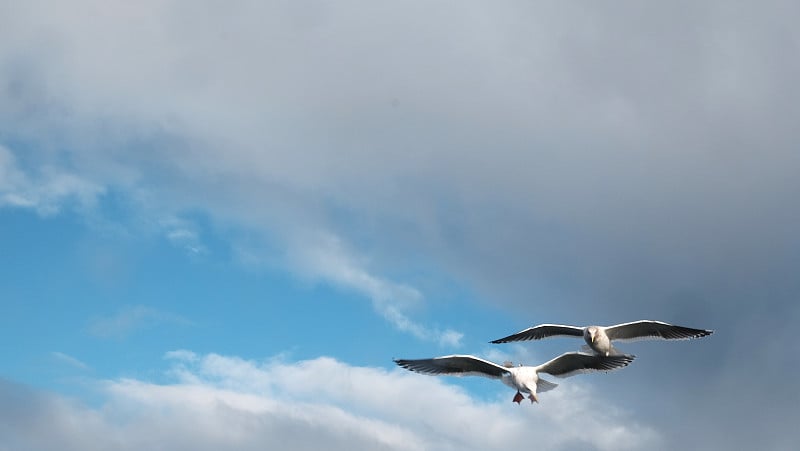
{"type": "Point", "coordinates": [599, 338]}
{"type": "Point", "coordinates": [598, 341]}
{"type": "Point", "coordinates": [524, 379]}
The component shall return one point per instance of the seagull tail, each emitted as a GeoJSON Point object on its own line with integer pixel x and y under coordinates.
{"type": "Point", "coordinates": [544, 385]}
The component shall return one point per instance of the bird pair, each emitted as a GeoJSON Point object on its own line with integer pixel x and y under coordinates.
{"type": "Point", "coordinates": [525, 379]}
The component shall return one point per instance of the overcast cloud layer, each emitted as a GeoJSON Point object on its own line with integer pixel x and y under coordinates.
{"type": "Point", "coordinates": [578, 163]}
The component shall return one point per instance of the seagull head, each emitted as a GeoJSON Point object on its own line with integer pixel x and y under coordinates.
{"type": "Point", "coordinates": [592, 330]}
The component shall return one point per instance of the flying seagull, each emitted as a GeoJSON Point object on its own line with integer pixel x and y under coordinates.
{"type": "Point", "coordinates": [599, 338]}
{"type": "Point", "coordinates": [523, 378]}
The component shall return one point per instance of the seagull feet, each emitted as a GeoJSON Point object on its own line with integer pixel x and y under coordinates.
{"type": "Point", "coordinates": [533, 399]}
{"type": "Point", "coordinates": [518, 397]}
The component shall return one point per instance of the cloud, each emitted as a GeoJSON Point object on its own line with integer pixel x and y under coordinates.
{"type": "Point", "coordinates": [326, 258]}
{"type": "Point", "coordinates": [181, 355]}
{"type": "Point", "coordinates": [182, 233]}
{"type": "Point", "coordinates": [554, 158]}
{"type": "Point", "coordinates": [219, 401]}
{"type": "Point", "coordinates": [45, 193]}
{"type": "Point", "coordinates": [129, 319]}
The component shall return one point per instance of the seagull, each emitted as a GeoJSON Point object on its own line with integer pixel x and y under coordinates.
{"type": "Point", "coordinates": [599, 338]}
{"type": "Point", "coordinates": [523, 378]}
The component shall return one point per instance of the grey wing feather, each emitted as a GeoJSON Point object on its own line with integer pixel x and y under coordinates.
{"type": "Point", "coordinates": [573, 363]}
{"type": "Point", "coordinates": [454, 365]}
{"type": "Point", "coordinates": [653, 330]}
{"type": "Point", "coordinates": [542, 331]}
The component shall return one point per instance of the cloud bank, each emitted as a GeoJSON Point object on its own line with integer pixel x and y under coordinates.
{"type": "Point", "coordinates": [220, 401]}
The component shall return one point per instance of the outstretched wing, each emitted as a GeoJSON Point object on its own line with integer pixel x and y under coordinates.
{"type": "Point", "coordinates": [573, 363]}
{"type": "Point", "coordinates": [454, 365]}
{"type": "Point", "coordinates": [653, 330]}
{"type": "Point", "coordinates": [542, 331]}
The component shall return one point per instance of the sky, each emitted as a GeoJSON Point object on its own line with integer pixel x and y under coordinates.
{"type": "Point", "coordinates": [221, 221]}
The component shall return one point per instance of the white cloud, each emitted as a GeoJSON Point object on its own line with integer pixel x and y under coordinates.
{"type": "Point", "coordinates": [47, 191]}
{"type": "Point", "coordinates": [181, 355]}
{"type": "Point", "coordinates": [183, 233]}
{"type": "Point", "coordinates": [223, 402]}
{"type": "Point", "coordinates": [131, 318]}
{"type": "Point", "coordinates": [325, 257]}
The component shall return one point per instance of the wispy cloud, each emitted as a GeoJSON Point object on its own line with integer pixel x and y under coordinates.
{"type": "Point", "coordinates": [47, 191]}
{"type": "Point", "coordinates": [69, 360]}
{"type": "Point", "coordinates": [222, 402]}
{"type": "Point", "coordinates": [130, 319]}
{"type": "Point", "coordinates": [325, 257]}
{"type": "Point", "coordinates": [183, 234]}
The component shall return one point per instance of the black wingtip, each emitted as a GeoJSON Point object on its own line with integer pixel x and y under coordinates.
{"type": "Point", "coordinates": [700, 334]}
{"type": "Point", "coordinates": [629, 359]}
{"type": "Point", "coordinates": [620, 360]}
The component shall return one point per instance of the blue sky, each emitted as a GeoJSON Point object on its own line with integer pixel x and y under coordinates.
{"type": "Point", "coordinates": [219, 222]}
{"type": "Point", "coordinates": [115, 301]}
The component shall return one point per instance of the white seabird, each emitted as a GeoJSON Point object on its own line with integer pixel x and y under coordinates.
{"type": "Point", "coordinates": [523, 378]}
{"type": "Point", "coordinates": [599, 338]}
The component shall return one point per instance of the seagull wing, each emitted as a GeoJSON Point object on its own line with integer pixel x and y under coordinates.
{"type": "Point", "coordinates": [454, 365]}
{"type": "Point", "coordinates": [573, 363]}
{"type": "Point", "coordinates": [542, 331]}
{"type": "Point", "coordinates": [653, 330]}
